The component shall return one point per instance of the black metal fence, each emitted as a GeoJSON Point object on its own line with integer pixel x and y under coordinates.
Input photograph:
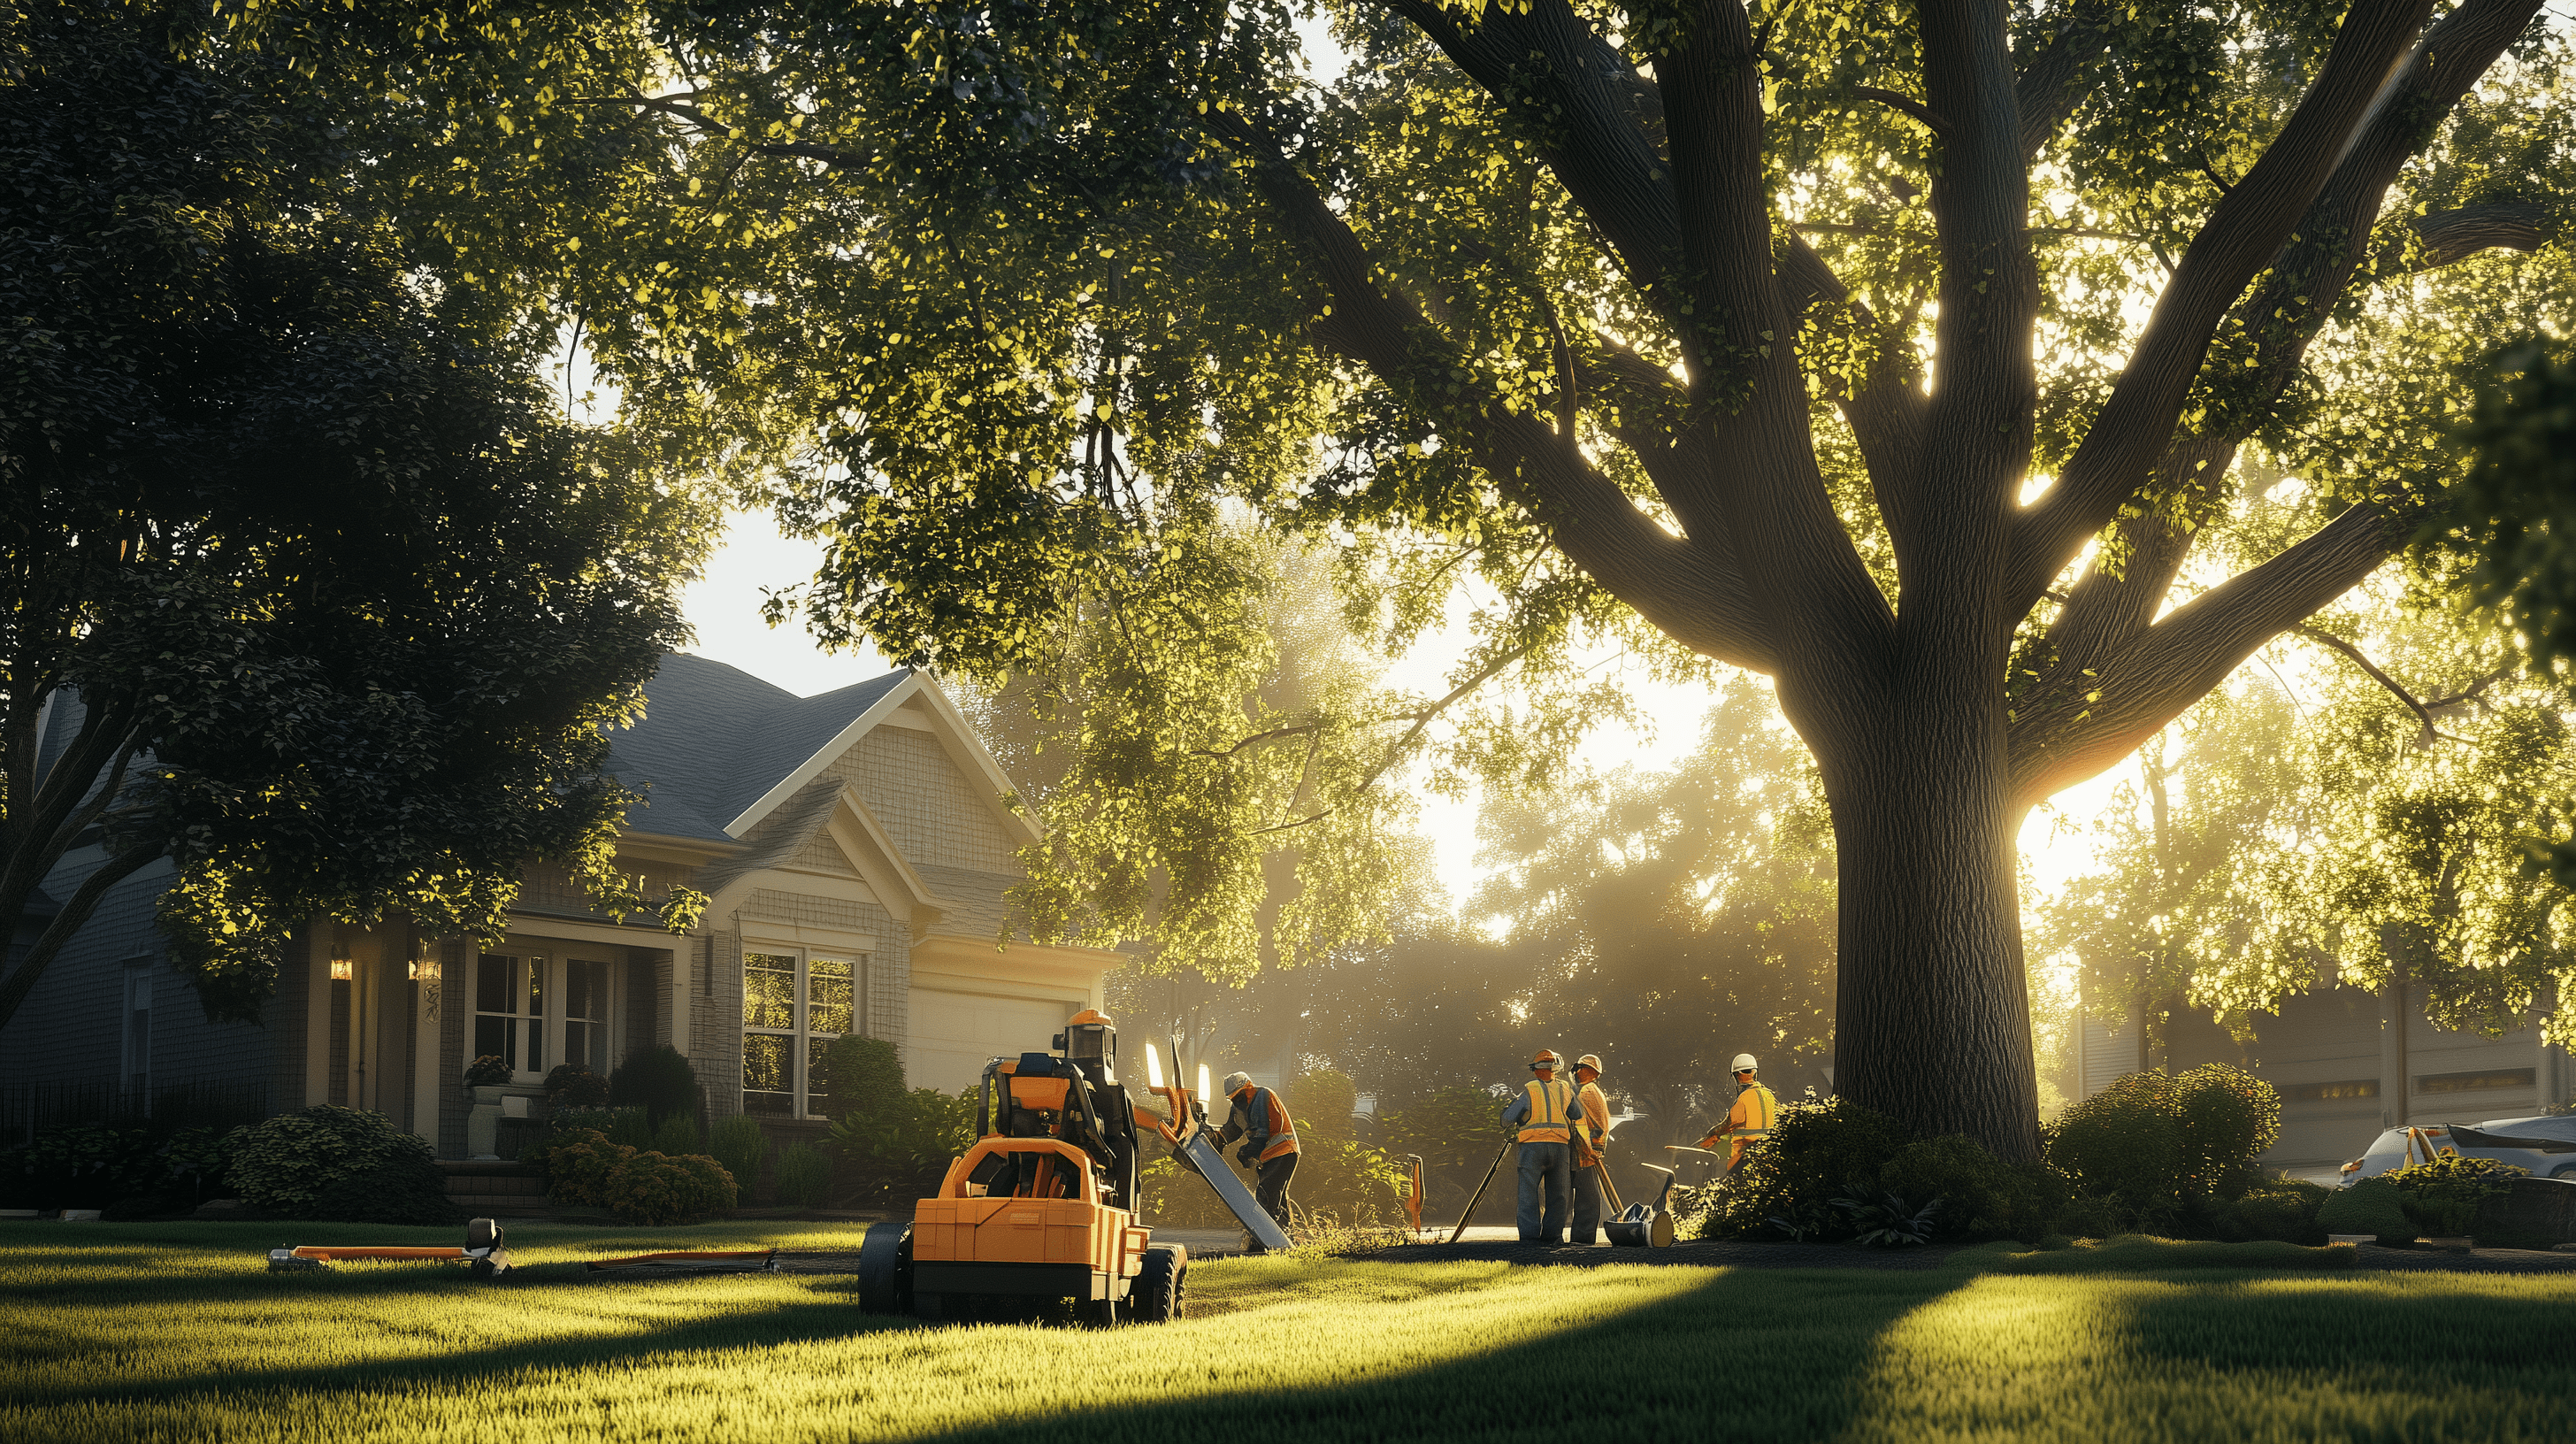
{"type": "Point", "coordinates": [27, 1109]}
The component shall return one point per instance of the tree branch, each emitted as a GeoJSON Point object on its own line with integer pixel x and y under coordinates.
{"type": "Point", "coordinates": [1690, 590]}
{"type": "Point", "coordinates": [2371, 669]}
{"type": "Point", "coordinates": [2288, 311]}
{"type": "Point", "coordinates": [2052, 78]}
{"type": "Point", "coordinates": [2058, 738]}
{"type": "Point", "coordinates": [76, 911]}
{"type": "Point", "coordinates": [1932, 121]}
{"type": "Point", "coordinates": [2244, 232]}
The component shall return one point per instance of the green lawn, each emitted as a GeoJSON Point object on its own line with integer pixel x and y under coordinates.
{"type": "Point", "coordinates": [175, 1332]}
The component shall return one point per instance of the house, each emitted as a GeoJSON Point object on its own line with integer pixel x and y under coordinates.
{"type": "Point", "coordinates": [2347, 1062]}
{"type": "Point", "coordinates": [855, 847]}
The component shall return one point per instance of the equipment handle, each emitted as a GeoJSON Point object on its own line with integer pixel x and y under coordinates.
{"type": "Point", "coordinates": [1478, 1196]}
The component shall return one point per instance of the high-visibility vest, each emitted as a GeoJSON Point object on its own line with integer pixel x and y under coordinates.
{"type": "Point", "coordinates": [1551, 1105]}
{"type": "Point", "coordinates": [1591, 1124]}
{"type": "Point", "coordinates": [1757, 1107]}
{"type": "Point", "coordinates": [1259, 1112]}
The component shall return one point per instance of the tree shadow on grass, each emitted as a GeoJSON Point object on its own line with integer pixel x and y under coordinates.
{"type": "Point", "coordinates": [1740, 1356]}
{"type": "Point", "coordinates": [789, 1321]}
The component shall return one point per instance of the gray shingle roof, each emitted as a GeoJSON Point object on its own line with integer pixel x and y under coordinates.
{"type": "Point", "coordinates": [715, 739]}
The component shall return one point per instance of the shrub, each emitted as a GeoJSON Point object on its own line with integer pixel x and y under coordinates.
{"type": "Point", "coordinates": [2282, 1209]}
{"type": "Point", "coordinates": [677, 1136]}
{"type": "Point", "coordinates": [85, 1165]}
{"type": "Point", "coordinates": [739, 1145]}
{"type": "Point", "coordinates": [407, 1188]}
{"type": "Point", "coordinates": [899, 1141]}
{"type": "Point", "coordinates": [1982, 1196]}
{"type": "Point", "coordinates": [2123, 1146]}
{"type": "Point", "coordinates": [577, 1164]}
{"type": "Point", "coordinates": [2162, 1146]}
{"type": "Point", "coordinates": [655, 1188]}
{"type": "Point", "coordinates": [573, 1086]}
{"type": "Point", "coordinates": [1322, 1099]}
{"type": "Point", "coordinates": [487, 1071]}
{"type": "Point", "coordinates": [194, 1161]}
{"type": "Point", "coordinates": [804, 1175]}
{"type": "Point", "coordinates": [2088, 1215]}
{"type": "Point", "coordinates": [284, 1166]}
{"type": "Point", "coordinates": [657, 1080]}
{"type": "Point", "coordinates": [2373, 1206]}
{"type": "Point", "coordinates": [1455, 1132]}
{"type": "Point", "coordinates": [862, 1070]}
{"type": "Point", "coordinates": [2442, 1196]}
{"type": "Point", "coordinates": [1817, 1152]}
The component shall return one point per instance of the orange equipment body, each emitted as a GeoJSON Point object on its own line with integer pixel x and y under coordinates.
{"type": "Point", "coordinates": [332, 1251]}
{"type": "Point", "coordinates": [1042, 1204]}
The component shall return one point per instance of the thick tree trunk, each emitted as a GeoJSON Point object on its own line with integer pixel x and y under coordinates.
{"type": "Point", "coordinates": [1932, 1013]}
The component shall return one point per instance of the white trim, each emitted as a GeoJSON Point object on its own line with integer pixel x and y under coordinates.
{"type": "Point", "coordinates": [812, 767]}
{"type": "Point", "coordinates": [540, 926]}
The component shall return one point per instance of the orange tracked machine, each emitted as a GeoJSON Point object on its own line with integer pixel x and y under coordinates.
{"type": "Point", "coordinates": [1043, 1205]}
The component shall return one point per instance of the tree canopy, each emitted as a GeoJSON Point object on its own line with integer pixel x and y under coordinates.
{"type": "Point", "coordinates": [1904, 355]}
{"type": "Point", "coordinates": [331, 607]}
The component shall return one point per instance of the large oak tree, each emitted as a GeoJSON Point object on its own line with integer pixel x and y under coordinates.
{"type": "Point", "coordinates": [1899, 353]}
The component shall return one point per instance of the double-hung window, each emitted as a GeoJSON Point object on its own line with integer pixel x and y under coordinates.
{"type": "Point", "coordinates": [585, 1029]}
{"type": "Point", "coordinates": [533, 1011]}
{"type": "Point", "coordinates": [794, 1003]}
{"type": "Point", "coordinates": [510, 1011]}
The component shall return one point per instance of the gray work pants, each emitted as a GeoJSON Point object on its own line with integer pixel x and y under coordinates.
{"type": "Point", "coordinates": [1546, 1170]}
{"type": "Point", "coordinates": [1588, 1204]}
{"type": "Point", "coordinates": [1271, 1192]}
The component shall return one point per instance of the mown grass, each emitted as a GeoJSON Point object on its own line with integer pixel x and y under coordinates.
{"type": "Point", "coordinates": [115, 1333]}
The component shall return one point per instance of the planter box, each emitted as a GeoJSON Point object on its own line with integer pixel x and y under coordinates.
{"type": "Point", "coordinates": [2532, 1212]}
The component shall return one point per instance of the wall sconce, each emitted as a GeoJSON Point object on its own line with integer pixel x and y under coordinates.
{"type": "Point", "coordinates": [424, 970]}
{"type": "Point", "coordinates": [343, 969]}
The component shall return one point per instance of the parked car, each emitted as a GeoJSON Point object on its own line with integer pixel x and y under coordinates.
{"type": "Point", "coordinates": [2546, 1146]}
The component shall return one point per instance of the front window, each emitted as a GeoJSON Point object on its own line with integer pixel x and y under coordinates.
{"type": "Point", "coordinates": [794, 1004]}
{"type": "Point", "coordinates": [535, 1010]}
{"type": "Point", "coordinates": [585, 1030]}
{"type": "Point", "coordinates": [509, 1011]}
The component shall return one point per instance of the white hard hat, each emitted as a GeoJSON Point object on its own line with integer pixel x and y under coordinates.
{"type": "Point", "coordinates": [1743, 1063]}
{"type": "Point", "coordinates": [1235, 1083]}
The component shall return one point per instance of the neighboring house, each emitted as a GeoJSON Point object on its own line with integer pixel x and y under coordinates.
{"type": "Point", "coordinates": [855, 848]}
{"type": "Point", "coordinates": [2345, 1071]}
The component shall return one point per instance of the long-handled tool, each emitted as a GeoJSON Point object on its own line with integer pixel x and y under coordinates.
{"type": "Point", "coordinates": [482, 1254]}
{"type": "Point", "coordinates": [1413, 1197]}
{"type": "Point", "coordinates": [1474, 1198]}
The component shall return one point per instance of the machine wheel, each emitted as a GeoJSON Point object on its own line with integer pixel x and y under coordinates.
{"type": "Point", "coordinates": [1160, 1290]}
{"type": "Point", "coordinates": [2567, 1172]}
{"type": "Point", "coordinates": [885, 1270]}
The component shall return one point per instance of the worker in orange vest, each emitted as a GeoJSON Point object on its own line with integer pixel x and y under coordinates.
{"type": "Point", "coordinates": [1591, 1142]}
{"type": "Point", "coordinates": [1269, 1142]}
{"type": "Point", "coordinates": [1749, 1121]}
{"type": "Point", "coordinates": [1544, 1114]}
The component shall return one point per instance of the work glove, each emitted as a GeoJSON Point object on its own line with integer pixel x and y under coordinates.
{"type": "Point", "coordinates": [1247, 1155]}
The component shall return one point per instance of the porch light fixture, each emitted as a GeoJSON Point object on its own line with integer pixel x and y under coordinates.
{"type": "Point", "coordinates": [343, 969]}
{"type": "Point", "coordinates": [424, 970]}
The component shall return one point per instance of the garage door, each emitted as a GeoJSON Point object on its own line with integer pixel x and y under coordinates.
{"type": "Point", "coordinates": [955, 1034]}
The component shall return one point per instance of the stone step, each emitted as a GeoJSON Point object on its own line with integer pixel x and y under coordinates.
{"type": "Point", "coordinates": [500, 1205]}
{"type": "Point", "coordinates": [459, 1184]}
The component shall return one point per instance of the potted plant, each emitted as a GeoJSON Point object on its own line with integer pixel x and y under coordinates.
{"type": "Point", "coordinates": [484, 1077]}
